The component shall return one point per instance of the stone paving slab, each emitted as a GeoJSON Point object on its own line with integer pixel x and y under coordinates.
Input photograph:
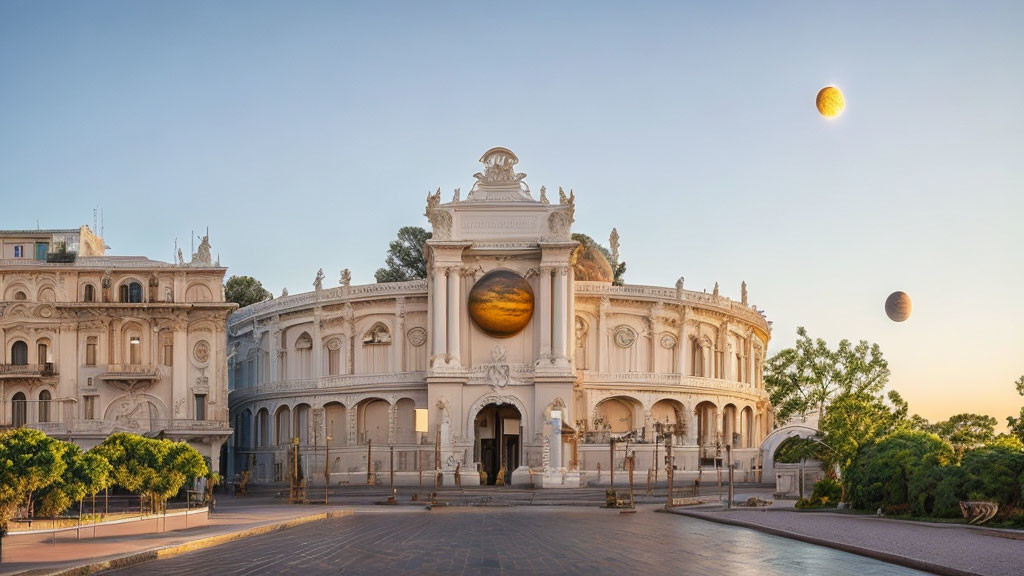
{"type": "Point", "coordinates": [952, 549]}
{"type": "Point", "coordinates": [232, 522]}
{"type": "Point", "coordinates": [517, 540]}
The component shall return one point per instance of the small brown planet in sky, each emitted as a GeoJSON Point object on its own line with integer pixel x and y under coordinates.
{"type": "Point", "coordinates": [897, 306]}
{"type": "Point", "coordinates": [830, 102]}
{"type": "Point", "coordinates": [501, 303]}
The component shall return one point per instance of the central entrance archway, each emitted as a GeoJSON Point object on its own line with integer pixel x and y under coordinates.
{"type": "Point", "coordinates": [497, 429]}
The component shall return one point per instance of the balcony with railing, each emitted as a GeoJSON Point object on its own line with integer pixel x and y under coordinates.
{"type": "Point", "coordinates": [670, 380]}
{"type": "Point", "coordinates": [131, 372]}
{"type": "Point", "coordinates": [21, 371]}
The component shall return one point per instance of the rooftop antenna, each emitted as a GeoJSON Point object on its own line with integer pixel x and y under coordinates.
{"type": "Point", "coordinates": [174, 257]}
{"type": "Point", "coordinates": [192, 239]}
{"type": "Point", "coordinates": [95, 222]}
{"type": "Point", "coordinates": [102, 235]}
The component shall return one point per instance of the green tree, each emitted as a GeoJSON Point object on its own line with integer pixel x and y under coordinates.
{"type": "Point", "coordinates": [854, 421]}
{"type": "Point", "coordinates": [405, 260]}
{"type": "Point", "coordinates": [1016, 425]}
{"type": "Point", "coordinates": [181, 464]}
{"type": "Point", "coordinates": [887, 473]}
{"type": "Point", "coordinates": [85, 474]}
{"type": "Point", "coordinates": [154, 468]}
{"type": "Point", "coordinates": [29, 461]}
{"type": "Point", "coordinates": [245, 290]}
{"type": "Point", "coordinates": [809, 375]}
{"type": "Point", "coordinates": [966, 431]}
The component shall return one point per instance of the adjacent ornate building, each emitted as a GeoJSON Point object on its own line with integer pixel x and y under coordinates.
{"type": "Point", "coordinates": [525, 367]}
{"type": "Point", "coordinates": [94, 344]}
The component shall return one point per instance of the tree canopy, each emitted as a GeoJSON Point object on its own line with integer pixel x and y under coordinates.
{"type": "Point", "coordinates": [245, 290]}
{"type": "Point", "coordinates": [29, 461]}
{"type": "Point", "coordinates": [809, 375]}
{"type": "Point", "coordinates": [158, 468]}
{"type": "Point", "coordinates": [966, 431]}
{"type": "Point", "coordinates": [405, 260]}
{"type": "Point", "coordinates": [85, 474]}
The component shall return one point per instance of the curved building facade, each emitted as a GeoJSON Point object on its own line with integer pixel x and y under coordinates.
{"type": "Point", "coordinates": [527, 374]}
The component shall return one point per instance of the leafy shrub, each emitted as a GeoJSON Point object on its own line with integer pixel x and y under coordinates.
{"type": "Point", "coordinates": [828, 489]}
{"type": "Point", "coordinates": [886, 474]}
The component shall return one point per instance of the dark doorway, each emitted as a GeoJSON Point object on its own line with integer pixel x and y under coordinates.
{"type": "Point", "coordinates": [497, 428]}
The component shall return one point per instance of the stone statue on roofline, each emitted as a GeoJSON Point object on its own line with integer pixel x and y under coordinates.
{"type": "Point", "coordinates": [202, 255]}
{"type": "Point", "coordinates": [318, 282]}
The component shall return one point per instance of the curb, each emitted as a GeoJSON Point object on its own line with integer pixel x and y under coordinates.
{"type": "Point", "coordinates": [867, 552]}
{"type": "Point", "coordinates": [134, 558]}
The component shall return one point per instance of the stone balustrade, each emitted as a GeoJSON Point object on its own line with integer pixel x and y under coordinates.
{"type": "Point", "coordinates": [326, 384]}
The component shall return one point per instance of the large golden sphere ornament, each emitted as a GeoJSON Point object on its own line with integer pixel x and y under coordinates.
{"type": "Point", "coordinates": [897, 306]}
{"type": "Point", "coordinates": [501, 303]}
{"type": "Point", "coordinates": [830, 102]}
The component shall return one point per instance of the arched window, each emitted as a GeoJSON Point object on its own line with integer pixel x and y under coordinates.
{"type": "Point", "coordinates": [135, 293]}
{"type": "Point", "coordinates": [131, 293]}
{"type": "Point", "coordinates": [42, 352]}
{"type": "Point", "coordinates": [19, 353]}
{"type": "Point", "coordinates": [44, 406]}
{"type": "Point", "coordinates": [19, 295]}
{"type": "Point", "coordinates": [19, 410]}
{"type": "Point", "coordinates": [90, 293]}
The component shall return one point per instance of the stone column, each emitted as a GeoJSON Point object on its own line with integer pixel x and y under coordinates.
{"type": "Point", "coordinates": [545, 312]}
{"type": "Point", "coordinates": [398, 339]}
{"type": "Point", "coordinates": [316, 353]}
{"type": "Point", "coordinates": [454, 307]}
{"type": "Point", "coordinates": [180, 370]}
{"type": "Point", "coordinates": [438, 331]}
{"type": "Point", "coordinates": [559, 310]}
{"type": "Point", "coordinates": [691, 427]}
{"type": "Point", "coordinates": [273, 344]}
{"type": "Point", "coordinates": [602, 335]}
{"type": "Point", "coordinates": [571, 318]}
{"type": "Point", "coordinates": [115, 343]}
{"type": "Point", "coordinates": [681, 339]}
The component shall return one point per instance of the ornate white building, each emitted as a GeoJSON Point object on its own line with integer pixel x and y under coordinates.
{"type": "Point", "coordinates": [94, 344]}
{"type": "Point", "coordinates": [521, 365]}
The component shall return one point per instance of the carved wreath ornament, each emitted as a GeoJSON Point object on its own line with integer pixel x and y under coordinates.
{"type": "Point", "coordinates": [417, 336]}
{"type": "Point", "coordinates": [201, 351]}
{"type": "Point", "coordinates": [624, 336]}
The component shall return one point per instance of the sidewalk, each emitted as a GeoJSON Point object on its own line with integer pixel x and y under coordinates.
{"type": "Point", "coordinates": [948, 549]}
{"type": "Point", "coordinates": [233, 519]}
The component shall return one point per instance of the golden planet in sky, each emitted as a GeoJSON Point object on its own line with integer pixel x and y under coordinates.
{"type": "Point", "coordinates": [830, 102]}
{"type": "Point", "coordinates": [501, 303]}
{"type": "Point", "coordinates": [897, 306]}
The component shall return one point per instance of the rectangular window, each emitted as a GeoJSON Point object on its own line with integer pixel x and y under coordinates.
{"type": "Point", "coordinates": [90, 354]}
{"type": "Point", "coordinates": [134, 351]}
{"type": "Point", "coordinates": [17, 252]}
{"type": "Point", "coordinates": [200, 406]}
{"type": "Point", "coordinates": [41, 249]}
{"type": "Point", "coordinates": [89, 407]}
{"type": "Point", "coordinates": [168, 355]}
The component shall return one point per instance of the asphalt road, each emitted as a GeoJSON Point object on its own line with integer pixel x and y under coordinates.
{"type": "Point", "coordinates": [519, 540]}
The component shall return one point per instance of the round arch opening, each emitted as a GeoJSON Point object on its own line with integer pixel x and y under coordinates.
{"type": "Point", "coordinates": [497, 429]}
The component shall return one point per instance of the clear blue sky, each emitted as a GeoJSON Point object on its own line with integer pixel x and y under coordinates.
{"type": "Point", "coordinates": [304, 134]}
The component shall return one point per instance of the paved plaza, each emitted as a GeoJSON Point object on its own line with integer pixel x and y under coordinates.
{"type": "Point", "coordinates": [520, 540]}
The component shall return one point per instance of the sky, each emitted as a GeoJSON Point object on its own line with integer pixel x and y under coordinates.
{"type": "Point", "coordinates": [304, 134]}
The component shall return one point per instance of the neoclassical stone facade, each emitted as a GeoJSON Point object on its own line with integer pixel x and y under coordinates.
{"type": "Point", "coordinates": [524, 369]}
{"type": "Point", "coordinates": [94, 344]}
